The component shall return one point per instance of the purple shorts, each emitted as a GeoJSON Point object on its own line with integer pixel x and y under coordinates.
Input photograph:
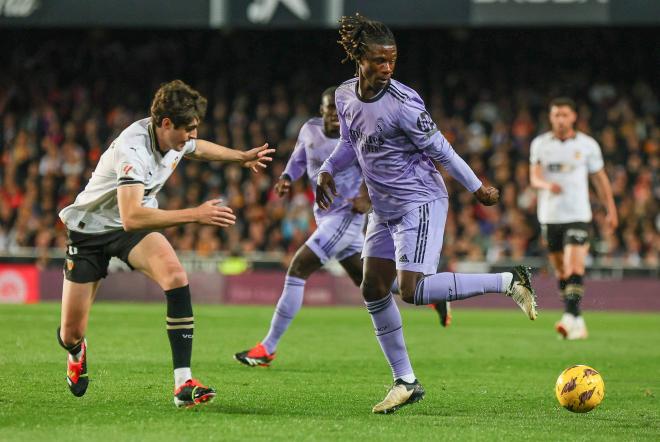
{"type": "Point", "coordinates": [413, 241]}
{"type": "Point", "coordinates": [337, 237]}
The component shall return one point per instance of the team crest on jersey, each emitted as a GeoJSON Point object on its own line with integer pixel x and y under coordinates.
{"type": "Point", "coordinates": [578, 155]}
{"type": "Point", "coordinates": [380, 125]}
{"type": "Point", "coordinates": [176, 161]}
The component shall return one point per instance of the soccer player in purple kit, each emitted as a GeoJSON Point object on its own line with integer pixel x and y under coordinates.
{"type": "Point", "coordinates": [385, 125]}
{"type": "Point", "coordinates": [339, 232]}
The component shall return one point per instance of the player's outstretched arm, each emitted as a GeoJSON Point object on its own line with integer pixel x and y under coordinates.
{"type": "Point", "coordinates": [255, 159]}
{"type": "Point", "coordinates": [604, 190]}
{"type": "Point", "coordinates": [136, 217]}
{"type": "Point", "coordinates": [294, 169]}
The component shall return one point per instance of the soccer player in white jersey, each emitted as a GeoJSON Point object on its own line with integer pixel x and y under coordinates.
{"type": "Point", "coordinates": [562, 160]}
{"type": "Point", "coordinates": [386, 127]}
{"type": "Point", "coordinates": [339, 229]}
{"type": "Point", "coordinates": [117, 215]}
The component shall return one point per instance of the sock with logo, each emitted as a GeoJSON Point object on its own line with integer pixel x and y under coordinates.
{"type": "Point", "coordinates": [443, 287]}
{"type": "Point", "coordinates": [573, 293]}
{"type": "Point", "coordinates": [287, 307]}
{"type": "Point", "coordinates": [180, 326]}
{"type": "Point", "coordinates": [389, 332]}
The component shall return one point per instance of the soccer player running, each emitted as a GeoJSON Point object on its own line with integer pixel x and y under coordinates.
{"type": "Point", "coordinates": [117, 215]}
{"type": "Point", "coordinates": [339, 232]}
{"type": "Point", "coordinates": [561, 162]}
{"type": "Point", "coordinates": [384, 124]}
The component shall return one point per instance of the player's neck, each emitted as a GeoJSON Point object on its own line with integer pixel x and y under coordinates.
{"type": "Point", "coordinates": [566, 135]}
{"type": "Point", "coordinates": [330, 132]}
{"type": "Point", "coordinates": [366, 90]}
{"type": "Point", "coordinates": [159, 141]}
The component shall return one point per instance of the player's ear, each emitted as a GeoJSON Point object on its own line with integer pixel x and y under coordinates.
{"type": "Point", "coordinates": [166, 123]}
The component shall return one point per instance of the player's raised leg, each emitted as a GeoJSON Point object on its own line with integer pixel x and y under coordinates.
{"type": "Point", "coordinates": [155, 257]}
{"type": "Point", "coordinates": [418, 238]}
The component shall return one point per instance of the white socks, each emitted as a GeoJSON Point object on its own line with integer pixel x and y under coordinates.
{"type": "Point", "coordinates": [507, 279]}
{"type": "Point", "coordinates": [181, 375]}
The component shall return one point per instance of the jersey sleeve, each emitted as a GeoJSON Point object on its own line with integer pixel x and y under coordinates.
{"type": "Point", "coordinates": [595, 158]}
{"type": "Point", "coordinates": [534, 154]}
{"type": "Point", "coordinates": [190, 147]}
{"type": "Point", "coordinates": [296, 165]}
{"type": "Point", "coordinates": [344, 155]}
{"type": "Point", "coordinates": [129, 167]}
{"type": "Point", "coordinates": [420, 128]}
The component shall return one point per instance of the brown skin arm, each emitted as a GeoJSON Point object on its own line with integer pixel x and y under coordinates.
{"type": "Point", "coordinates": [601, 183]}
{"type": "Point", "coordinates": [136, 217]}
{"type": "Point", "coordinates": [325, 190]}
{"type": "Point", "coordinates": [362, 202]}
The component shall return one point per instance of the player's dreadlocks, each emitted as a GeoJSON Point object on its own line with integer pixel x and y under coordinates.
{"type": "Point", "coordinates": [357, 31]}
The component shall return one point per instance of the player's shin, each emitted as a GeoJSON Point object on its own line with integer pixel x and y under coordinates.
{"type": "Point", "coordinates": [442, 287]}
{"type": "Point", "coordinates": [287, 307]}
{"type": "Point", "coordinates": [573, 294]}
{"type": "Point", "coordinates": [180, 326]}
{"type": "Point", "coordinates": [388, 326]}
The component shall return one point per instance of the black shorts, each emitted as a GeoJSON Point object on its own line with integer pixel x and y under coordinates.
{"type": "Point", "coordinates": [88, 256]}
{"type": "Point", "coordinates": [559, 235]}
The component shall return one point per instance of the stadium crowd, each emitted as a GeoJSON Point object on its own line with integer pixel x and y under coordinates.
{"type": "Point", "coordinates": [64, 98]}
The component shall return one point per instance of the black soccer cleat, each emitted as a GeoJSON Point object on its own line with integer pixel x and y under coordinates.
{"type": "Point", "coordinates": [192, 393]}
{"type": "Point", "coordinates": [444, 312]}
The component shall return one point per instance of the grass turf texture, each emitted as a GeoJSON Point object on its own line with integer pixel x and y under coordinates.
{"type": "Point", "coordinates": [489, 376]}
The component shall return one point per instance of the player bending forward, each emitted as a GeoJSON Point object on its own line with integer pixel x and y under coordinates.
{"type": "Point", "coordinates": [384, 124]}
{"type": "Point", "coordinates": [117, 215]}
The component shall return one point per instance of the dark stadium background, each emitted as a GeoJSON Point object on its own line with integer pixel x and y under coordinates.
{"type": "Point", "coordinates": [69, 84]}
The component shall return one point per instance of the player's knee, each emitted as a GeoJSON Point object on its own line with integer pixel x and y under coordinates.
{"type": "Point", "coordinates": [298, 269]}
{"type": "Point", "coordinates": [175, 277]}
{"type": "Point", "coordinates": [407, 292]}
{"type": "Point", "coordinates": [373, 289]}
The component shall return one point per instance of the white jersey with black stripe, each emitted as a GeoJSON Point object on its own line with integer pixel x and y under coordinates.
{"type": "Point", "coordinates": [132, 158]}
{"type": "Point", "coordinates": [567, 163]}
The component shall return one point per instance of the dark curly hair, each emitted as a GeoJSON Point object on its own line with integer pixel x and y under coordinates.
{"type": "Point", "coordinates": [178, 102]}
{"type": "Point", "coordinates": [357, 31]}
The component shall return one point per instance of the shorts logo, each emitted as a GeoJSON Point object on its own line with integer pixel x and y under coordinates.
{"type": "Point", "coordinates": [425, 123]}
{"type": "Point", "coordinates": [404, 259]}
{"type": "Point", "coordinates": [127, 168]}
{"type": "Point", "coordinates": [69, 264]}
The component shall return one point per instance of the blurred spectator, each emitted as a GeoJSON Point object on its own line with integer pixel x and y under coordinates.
{"type": "Point", "coordinates": [57, 119]}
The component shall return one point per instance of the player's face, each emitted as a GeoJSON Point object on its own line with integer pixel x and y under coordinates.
{"type": "Point", "coordinates": [377, 65]}
{"type": "Point", "coordinates": [562, 119]}
{"type": "Point", "coordinates": [329, 113]}
{"type": "Point", "coordinates": [176, 137]}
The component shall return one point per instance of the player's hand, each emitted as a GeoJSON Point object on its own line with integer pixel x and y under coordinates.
{"type": "Point", "coordinates": [612, 220]}
{"type": "Point", "coordinates": [555, 188]}
{"type": "Point", "coordinates": [361, 204]}
{"type": "Point", "coordinates": [212, 213]}
{"type": "Point", "coordinates": [282, 187]}
{"type": "Point", "coordinates": [487, 196]}
{"type": "Point", "coordinates": [257, 158]}
{"type": "Point", "coordinates": [325, 190]}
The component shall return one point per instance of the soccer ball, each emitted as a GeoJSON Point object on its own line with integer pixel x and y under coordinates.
{"type": "Point", "coordinates": [580, 388]}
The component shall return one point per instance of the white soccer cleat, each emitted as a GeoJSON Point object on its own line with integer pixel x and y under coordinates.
{"type": "Point", "coordinates": [401, 393]}
{"type": "Point", "coordinates": [521, 291]}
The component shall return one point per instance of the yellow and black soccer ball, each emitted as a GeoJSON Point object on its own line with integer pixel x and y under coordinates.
{"type": "Point", "coordinates": [580, 388]}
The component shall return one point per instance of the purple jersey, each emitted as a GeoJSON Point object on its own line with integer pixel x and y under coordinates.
{"type": "Point", "coordinates": [394, 140]}
{"type": "Point", "coordinates": [312, 149]}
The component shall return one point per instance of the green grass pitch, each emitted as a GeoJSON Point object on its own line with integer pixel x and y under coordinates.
{"type": "Point", "coordinates": [490, 376]}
